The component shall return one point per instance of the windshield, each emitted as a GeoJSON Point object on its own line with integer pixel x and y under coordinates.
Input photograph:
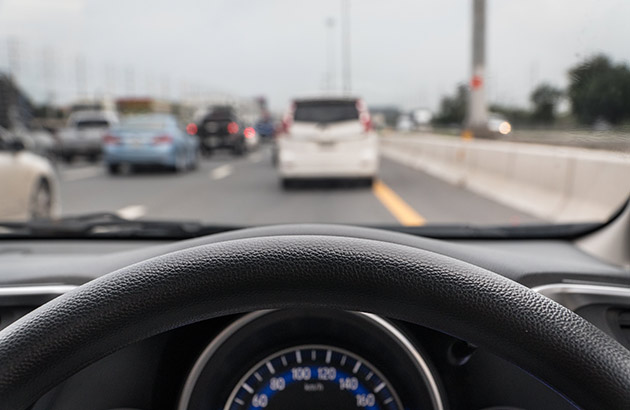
{"type": "Point", "coordinates": [325, 111]}
{"type": "Point", "coordinates": [219, 113]}
{"type": "Point", "coordinates": [92, 124]}
{"type": "Point", "coordinates": [402, 113]}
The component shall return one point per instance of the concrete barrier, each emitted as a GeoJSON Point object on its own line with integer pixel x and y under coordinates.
{"type": "Point", "coordinates": [561, 184]}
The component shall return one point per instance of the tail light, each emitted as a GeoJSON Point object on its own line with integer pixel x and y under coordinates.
{"type": "Point", "coordinates": [366, 121]}
{"type": "Point", "coordinates": [232, 128]}
{"type": "Point", "coordinates": [364, 115]}
{"type": "Point", "coordinates": [109, 139]}
{"type": "Point", "coordinates": [192, 129]}
{"type": "Point", "coordinates": [249, 132]}
{"type": "Point", "coordinates": [162, 139]}
{"type": "Point", "coordinates": [286, 125]}
{"type": "Point", "coordinates": [287, 120]}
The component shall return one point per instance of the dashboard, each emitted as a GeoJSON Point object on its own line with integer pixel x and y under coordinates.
{"type": "Point", "coordinates": [321, 358]}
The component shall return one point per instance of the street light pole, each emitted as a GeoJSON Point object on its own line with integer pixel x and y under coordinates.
{"type": "Point", "coordinates": [81, 77]}
{"type": "Point", "coordinates": [477, 116]}
{"type": "Point", "coordinates": [345, 46]}
{"type": "Point", "coordinates": [330, 55]}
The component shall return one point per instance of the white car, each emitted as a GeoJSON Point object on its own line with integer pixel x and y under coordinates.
{"type": "Point", "coordinates": [327, 138]}
{"type": "Point", "coordinates": [497, 124]}
{"type": "Point", "coordinates": [28, 183]}
{"type": "Point", "coordinates": [404, 123]}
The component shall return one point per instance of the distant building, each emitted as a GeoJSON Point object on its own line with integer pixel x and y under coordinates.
{"type": "Point", "coordinates": [142, 105]}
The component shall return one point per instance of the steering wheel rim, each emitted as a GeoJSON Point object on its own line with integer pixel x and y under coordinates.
{"type": "Point", "coordinates": [401, 282]}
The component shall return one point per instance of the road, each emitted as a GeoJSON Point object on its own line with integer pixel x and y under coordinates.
{"type": "Point", "coordinates": [245, 191]}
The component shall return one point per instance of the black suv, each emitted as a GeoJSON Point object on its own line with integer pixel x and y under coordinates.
{"type": "Point", "coordinates": [219, 128]}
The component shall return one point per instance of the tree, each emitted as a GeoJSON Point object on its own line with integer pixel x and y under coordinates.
{"type": "Point", "coordinates": [545, 98]}
{"type": "Point", "coordinates": [453, 108]}
{"type": "Point", "coordinates": [600, 90]}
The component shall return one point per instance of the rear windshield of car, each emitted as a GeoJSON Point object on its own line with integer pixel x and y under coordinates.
{"type": "Point", "coordinates": [92, 124]}
{"type": "Point", "coordinates": [325, 111]}
{"type": "Point", "coordinates": [220, 114]}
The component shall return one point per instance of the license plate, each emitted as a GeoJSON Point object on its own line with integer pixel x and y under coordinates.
{"type": "Point", "coordinates": [213, 141]}
{"type": "Point", "coordinates": [212, 127]}
{"type": "Point", "coordinates": [326, 145]}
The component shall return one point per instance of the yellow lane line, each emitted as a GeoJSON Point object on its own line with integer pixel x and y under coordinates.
{"type": "Point", "coordinates": [401, 210]}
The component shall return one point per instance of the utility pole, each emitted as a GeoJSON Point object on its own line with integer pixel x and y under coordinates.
{"type": "Point", "coordinates": [81, 77]}
{"type": "Point", "coordinates": [477, 116]}
{"type": "Point", "coordinates": [330, 55]}
{"type": "Point", "coordinates": [129, 81]}
{"type": "Point", "coordinates": [8, 101]}
{"type": "Point", "coordinates": [48, 75]}
{"type": "Point", "coordinates": [110, 80]}
{"type": "Point", "coordinates": [149, 84]}
{"type": "Point", "coordinates": [345, 46]}
{"type": "Point", "coordinates": [166, 93]}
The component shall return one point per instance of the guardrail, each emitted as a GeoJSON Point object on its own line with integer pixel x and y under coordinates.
{"type": "Point", "coordinates": [561, 184]}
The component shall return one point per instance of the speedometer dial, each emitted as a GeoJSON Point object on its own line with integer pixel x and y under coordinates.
{"type": "Point", "coordinates": [307, 359]}
{"type": "Point", "coordinates": [313, 377]}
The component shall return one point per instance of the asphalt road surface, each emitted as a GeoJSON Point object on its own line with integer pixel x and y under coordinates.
{"type": "Point", "coordinates": [246, 191]}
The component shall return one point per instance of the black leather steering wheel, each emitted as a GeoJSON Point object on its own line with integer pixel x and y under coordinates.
{"type": "Point", "coordinates": [393, 280]}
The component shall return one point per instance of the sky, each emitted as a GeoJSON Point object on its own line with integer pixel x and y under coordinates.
{"type": "Point", "coordinates": [407, 53]}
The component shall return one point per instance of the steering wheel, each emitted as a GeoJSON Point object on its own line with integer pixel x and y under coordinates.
{"type": "Point", "coordinates": [402, 282]}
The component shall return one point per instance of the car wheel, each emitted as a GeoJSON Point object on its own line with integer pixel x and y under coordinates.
{"type": "Point", "coordinates": [287, 183]}
{"type": "Point", "coordinates": [180, 164]}
{"type": "Point", "coordinates": [206, 151]}
{"type": "Point", "coordinates": [125, 168]}
{"type": "Point", "coordinates": [195, 161]}
{"type": "Point", "coordinates": [40, 206]}
{"type": "Point", "coordinates": [68, 158]}
{"type": "Point", "coordinates": [113, 169]}
{"type": "Point", "coordinates": [239, 149]}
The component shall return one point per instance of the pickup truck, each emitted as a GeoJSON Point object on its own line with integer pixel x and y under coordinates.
{"type": "Point", "coordinates": [84, 133]}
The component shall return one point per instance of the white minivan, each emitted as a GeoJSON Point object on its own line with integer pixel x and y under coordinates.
{"type": "Point", "coordinates": [327, 138]}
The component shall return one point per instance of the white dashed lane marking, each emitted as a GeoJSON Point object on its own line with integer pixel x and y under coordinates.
{"type": "Point", "coordinates": [77, 174]}
{"type": "Point", "coordinates": [132, 211]}
{"type": "Point", "coordinates": [221, 172]}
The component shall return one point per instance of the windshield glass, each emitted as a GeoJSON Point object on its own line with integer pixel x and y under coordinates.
{"type": "Point", "coordinates": [92, 124]}
{"type": "Point", "coordinates": [219, 113]}
{"type": "Point", "coordinates": [238, 113]}
{"type": "Point", "coordinates": [325, 111]}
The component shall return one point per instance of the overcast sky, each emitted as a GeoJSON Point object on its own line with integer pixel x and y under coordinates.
{"type": "Point", "coordinates": [404, 52]}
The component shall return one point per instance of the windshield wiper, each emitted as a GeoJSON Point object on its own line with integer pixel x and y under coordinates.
{"type": "Point", "coordinates": [500, 232]}
{"type": "Point", "coordinates": [106, 225]}
{"type": "Point", "coordinates": [112, 226]}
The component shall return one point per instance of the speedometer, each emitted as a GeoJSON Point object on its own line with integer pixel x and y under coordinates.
{"type": "Point", "coordinates": [307, 359]}
{"type": "Point", "coordinates": [313, 377]}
